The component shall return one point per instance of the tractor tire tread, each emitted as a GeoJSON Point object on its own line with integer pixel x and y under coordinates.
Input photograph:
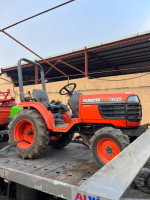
{"type": "Point", "coordinates": [42, 139]}
{"type": "Point", "coordinates": [141, 180]}
{"type": "Point", "coordinates": [112, 132]}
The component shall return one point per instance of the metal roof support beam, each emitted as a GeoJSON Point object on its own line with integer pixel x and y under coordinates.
{"type": "Point", "coordinates": [94, 55]}
{"type": "Point", "coordinates": [86, 62]}
{"type": "Point", "coordinates": [48, 71]}
{"type": "Point", "coordinates": [71, 66]}
{"type": "Point", "coordinates": [103, 46]}
{"type": "Point", "coordinates": [36, 74]}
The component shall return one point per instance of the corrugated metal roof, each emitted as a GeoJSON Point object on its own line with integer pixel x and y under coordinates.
{"type": "Point", "coordinates": [125, 55]}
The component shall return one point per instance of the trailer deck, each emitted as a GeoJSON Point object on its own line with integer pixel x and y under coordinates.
{"type": "Point", "coordinates": [72, 171]}
{"type": "Point", "coordinates": [73, 164]}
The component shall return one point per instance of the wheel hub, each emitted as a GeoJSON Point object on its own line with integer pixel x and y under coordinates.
{"type": "Point", "coordinates": [24, 131]}
{"type": "Point", "coordinates": [30, 133]}
{"type": "Point", "coordinates": [109, 150]}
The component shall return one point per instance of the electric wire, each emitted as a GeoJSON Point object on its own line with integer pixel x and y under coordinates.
{"type": "Point", "coordinates": [120, 79]}
{"type": "Point", "coordinates": [19, 22]}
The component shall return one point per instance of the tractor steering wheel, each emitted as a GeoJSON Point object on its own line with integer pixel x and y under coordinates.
{"type": "Point", "coordinates": [67, 90]}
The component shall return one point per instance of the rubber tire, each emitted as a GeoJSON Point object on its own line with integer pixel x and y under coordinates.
{"type": "Point", "coordinates": [108, 132]}
{"type": "Point", "coordinates": [142, 179]}
{"type": "Point", "coordinates": [61, 143]}
{"type": "Point", "coordinates": [41, 137]}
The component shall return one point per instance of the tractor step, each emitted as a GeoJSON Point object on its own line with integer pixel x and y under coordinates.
{"type": "Point", "coordinates": [61, 125]}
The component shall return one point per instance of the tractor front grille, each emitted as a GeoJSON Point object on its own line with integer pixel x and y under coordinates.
{"type": "Point", "coordinates": [131, 112]}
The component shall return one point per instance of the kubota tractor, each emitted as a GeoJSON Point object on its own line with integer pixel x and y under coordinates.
{"type": "Point", "coordinates": [107, 122]}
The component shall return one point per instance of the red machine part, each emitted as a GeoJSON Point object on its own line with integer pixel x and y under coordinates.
{"type": "Point", "coordinates": [101, 149]}
{"type": "Point", "coordinates": [89, 112]}
{"type": "Point", "coordinates": [5, 100]}
{"type": "Point", "coordinates": [24, 130]}
{"type": "Point", "coordinates": [47, 115]}
{"type": "Point", "coordinates": [5, 107]}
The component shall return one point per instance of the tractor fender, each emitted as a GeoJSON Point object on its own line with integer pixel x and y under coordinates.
{"type": "Point", "coordinates": [46, 114]}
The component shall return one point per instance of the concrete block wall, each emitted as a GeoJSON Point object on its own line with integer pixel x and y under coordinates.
{"type": "Point", "coordinates": [136, 83]}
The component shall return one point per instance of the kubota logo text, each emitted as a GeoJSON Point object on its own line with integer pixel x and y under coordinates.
{"type": "Point", "coordinates": [84, 197]}
{"type": "Point", "coordinates": [96, 100]}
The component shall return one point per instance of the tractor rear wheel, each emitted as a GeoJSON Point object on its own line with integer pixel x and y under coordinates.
{"type": "Point", "coordinates": [58, 142]}
{"type": "Point", "coordinates": [107, 143]}
{"type": "Point", "coordinates": [29, 127]}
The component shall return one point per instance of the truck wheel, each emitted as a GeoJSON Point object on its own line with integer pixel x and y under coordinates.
{"type": "Point", "coordinates": [58, 143]}
{"type": "Point", "coordinates": [29, 127]}
{"type": "Point", "coordinates": [107, 143]}
{"type": "Point", "coordinates": [142, 180]}
{"type": "Point", "coordinates": [25, 193]}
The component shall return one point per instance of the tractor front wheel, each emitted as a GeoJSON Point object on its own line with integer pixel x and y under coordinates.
{"type": "Point", "coordinates": [30, 130]}
{"type": "Point", "coordinates": [107, 143]}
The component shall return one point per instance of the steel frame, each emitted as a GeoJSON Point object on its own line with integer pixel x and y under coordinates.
{"type": "Point", "coordinates": [86, 52]}
{"type": "Point", "coordinates": [94, 55]}
{"type": "Point", "coordinates": [86, 62]}
{"type": "Point", "coordinates": [26, 19]}
{"type": "Point", "coordinates": [36, 74]}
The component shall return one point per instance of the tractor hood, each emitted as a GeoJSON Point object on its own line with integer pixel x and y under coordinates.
{"type": "Point", "coordinates": [119, 110]}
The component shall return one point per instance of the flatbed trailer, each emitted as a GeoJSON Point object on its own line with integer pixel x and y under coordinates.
{"type": "Point", "coordinates": [71, 173]}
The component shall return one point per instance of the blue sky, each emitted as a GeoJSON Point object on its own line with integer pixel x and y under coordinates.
{"type": "Point", "coordinates": [78, 24]}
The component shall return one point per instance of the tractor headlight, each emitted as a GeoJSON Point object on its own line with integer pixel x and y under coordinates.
{"type": "Point", "coordinates": [133, 99]}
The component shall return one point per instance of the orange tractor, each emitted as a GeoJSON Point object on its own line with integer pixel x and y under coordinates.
{"type": "Point", "coordinates": [107, 122]}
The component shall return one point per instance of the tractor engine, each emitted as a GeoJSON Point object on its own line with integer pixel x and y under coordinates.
{"type": "Point", "coordinates": [118, 110]}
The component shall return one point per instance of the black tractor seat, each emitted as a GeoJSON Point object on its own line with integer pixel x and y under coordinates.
{"type": "Point", "coordinates": [74, 104]}
{"type": "Point", "coordinates": [41, 96]}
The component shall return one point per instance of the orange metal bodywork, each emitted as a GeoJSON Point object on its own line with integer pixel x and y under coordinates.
{"type": "Point", "coordinates": [101, 149]}
{"type": "Point", "coordinates": [72, 123]}
{"type": "Point", "coordinates": [88, 112]}
{"type": "Point", "coordinates": [66, 118]}
{"type": "Point", "coordinates": [47, 115]}
{"type": "Point", "coordinates": [20, 133]}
